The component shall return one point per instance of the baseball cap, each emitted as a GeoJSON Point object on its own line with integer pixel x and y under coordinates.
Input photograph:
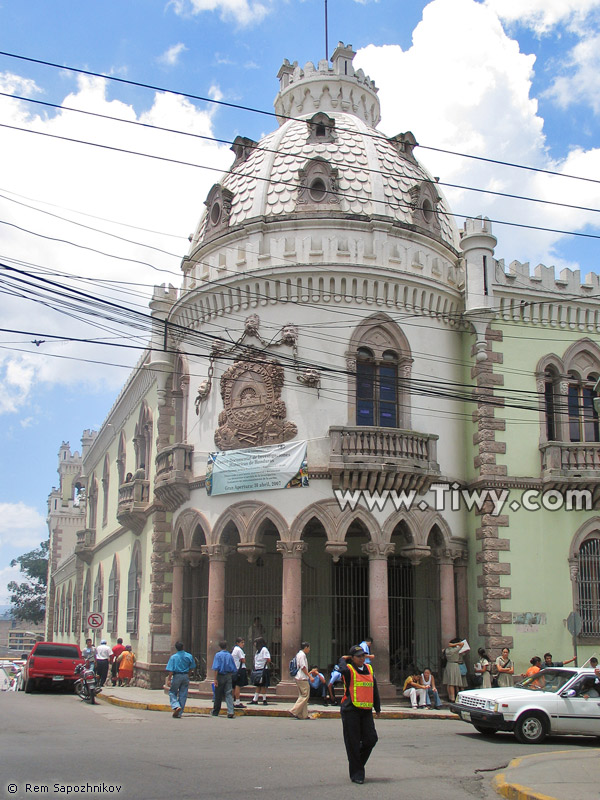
{"type": "Point", "coordinates": [103, 641]}
{"type": "Point", "coordinates": [356, 650]}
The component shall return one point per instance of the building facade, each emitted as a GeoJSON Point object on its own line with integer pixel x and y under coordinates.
{"type": "Point", "coordinates": [328, 298]}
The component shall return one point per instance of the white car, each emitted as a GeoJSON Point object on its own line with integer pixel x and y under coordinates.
{"type": "Point", "coordinates": [557, 700]}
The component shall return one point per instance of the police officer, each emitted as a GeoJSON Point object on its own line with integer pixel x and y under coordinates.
{"type": "Point", "coordinates": [361, 696]}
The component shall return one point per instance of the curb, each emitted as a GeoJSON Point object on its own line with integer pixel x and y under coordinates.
{"type": "Point", "coordinates": [516, 791]}
{"type": "Point", "coordinates": [254, 712]}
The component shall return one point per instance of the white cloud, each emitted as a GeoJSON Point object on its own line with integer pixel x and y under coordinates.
{"type": "Point", "coordinates": [171, 56]}
{"type": "Point", "coordinates": [543, 15]}
{"type": "Point", "coordinates": [583, 84]}
{"type": "Point", "coordinates": [244, 12]}
{"type": "Point", "coordinates": [8, 574]}
{"type": "Point", "coordinates": [465, 86]}
{"type": "Point", "coordinates": [153, 195]}
{"type": "Point", "coordinates": [21, 526]}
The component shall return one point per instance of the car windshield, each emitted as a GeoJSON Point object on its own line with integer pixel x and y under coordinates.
{"type": "Point", "coordinates": [547, 680]}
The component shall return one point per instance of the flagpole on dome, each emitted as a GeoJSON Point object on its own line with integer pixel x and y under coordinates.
{"type": "Point", "coordinates": [326, 36]}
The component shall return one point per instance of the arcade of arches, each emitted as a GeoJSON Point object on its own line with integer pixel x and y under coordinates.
{"type": "Point", "coordinates": [328, 579]}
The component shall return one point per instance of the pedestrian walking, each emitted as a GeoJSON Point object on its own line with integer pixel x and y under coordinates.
{"type": "Point", "coordinates": [126, 661]}
{"type": "Point", "coordinates": [261, 673]}
{"type": "Point", "coordinates": [361, 697]}
{"type": "Point", "coordinates": [178, 678]}
{"type": "Point", "coordinates": [225, 669]}
{"type": "Point", "coordinates": [240, 679]}
{"type": "Point", "coordinates": [103, 654]}
{"type": "Point", "coordinates": [114, 669]}
{"type": "Point", "coordinates": [300, 708]}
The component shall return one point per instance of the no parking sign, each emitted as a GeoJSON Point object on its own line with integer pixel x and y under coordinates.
{"type": "Point", "coordinates": [95, 620]}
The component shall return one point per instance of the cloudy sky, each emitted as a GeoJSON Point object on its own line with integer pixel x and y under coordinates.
{"type": "Point", "coordinates": [512, 80]}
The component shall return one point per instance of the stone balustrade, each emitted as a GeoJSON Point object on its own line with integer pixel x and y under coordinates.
{"type": "Point", "coordinates": [375, 459]}
{"type": "Point", "coordinates": [173, 475]}
{"type": "Point", "coordinates": [134, 500]}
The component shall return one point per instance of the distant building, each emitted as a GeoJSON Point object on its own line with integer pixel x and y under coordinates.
{"type": "Point", "coordinates": [17, 637]}
{"type": "Point", "coordinates": [328, 299]}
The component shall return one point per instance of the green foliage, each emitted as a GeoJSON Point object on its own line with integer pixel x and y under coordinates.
{"type": "Point", "coordinates": [28, 599]}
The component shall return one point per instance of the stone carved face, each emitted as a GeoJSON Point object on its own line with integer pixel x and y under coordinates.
{"type": "Point", "coordinates": [251, 325]}
{"type": "Point", "coordinates": [289, 334]}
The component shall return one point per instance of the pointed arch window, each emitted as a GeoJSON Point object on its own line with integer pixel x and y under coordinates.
{"type": "Point", "coordinates": [113, 598]}
{"type": "Point", "coordinates": [134, 583]}
{"type": "Point", "coordinates": [105, 488]}
{"type": "Point", "coordinates": [551, 404]}
{"type": "Point", "coordinates": [122, 458]}
{"type": "Point", "coordinates": [85, 603]}
{"type": "Point", "coordinates": [74, 611]}
{"type": "Point", "coordinates": [588, 586]}
{"type": "Point", "coordinates": [376, 388]}
{"type": "Point", "coordinates": [93, 503]}
{"type": "Point", "coordinates": [98, 600]}
{"type": "Point", "coordinates": [68, 610]}
{"type": "Point", "coordinates": [583, 417]}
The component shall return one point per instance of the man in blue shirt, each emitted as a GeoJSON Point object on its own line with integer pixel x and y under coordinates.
{"type": "Point", "coordinates": [178, 678]}
{"type": "Point", "coordinates": [366, 645]}
{"type": "Point", "coordinates": [225, 669]}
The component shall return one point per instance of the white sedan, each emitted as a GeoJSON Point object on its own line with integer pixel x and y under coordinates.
{"type": "Point", "coordinates": [556, 700]}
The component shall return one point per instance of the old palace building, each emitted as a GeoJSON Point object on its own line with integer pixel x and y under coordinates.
{"type": "Point", "coordinates": [344, 423]}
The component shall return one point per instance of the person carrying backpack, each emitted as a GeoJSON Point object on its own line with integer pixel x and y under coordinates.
{"type": "Point", "coordinates": [300, 708]}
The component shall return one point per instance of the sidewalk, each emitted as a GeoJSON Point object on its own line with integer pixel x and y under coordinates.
{"type": "Point", "coordinates": [561, 775]}
{"type": "Point", "coordinates": [157, 700]}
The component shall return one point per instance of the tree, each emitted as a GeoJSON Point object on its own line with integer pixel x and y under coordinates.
{"type": "Point", "coordinates": [28, 599]}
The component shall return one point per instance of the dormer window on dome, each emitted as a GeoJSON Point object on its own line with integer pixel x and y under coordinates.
{"type": "Point", "coordinates": [425, 201]}
{"type": "Point", "coordinates": [405, 143]}
{"type": "Point", "coordinates": [321, 129]}
{"type": "Point", "coordinates": [318, 185]}
{"type": "Point", "coordinates": [218, 204]}
{"type": "Point", "coordinates": [242, 147]}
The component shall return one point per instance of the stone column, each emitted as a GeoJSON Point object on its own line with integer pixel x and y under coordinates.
{"type": "Point", "coordinates": [379, 616]}
{"type": "Point", "coordinates": [177, 599]}
{"type": "Point", "coordinates": [291, 611]}
{"type": "Point", "coordinates": [215, 622]}
{"type": "Point", "coordinates": [447, 599]}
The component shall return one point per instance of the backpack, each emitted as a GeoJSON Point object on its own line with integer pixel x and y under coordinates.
{"type": "Point", "coordinates": [293, 667]}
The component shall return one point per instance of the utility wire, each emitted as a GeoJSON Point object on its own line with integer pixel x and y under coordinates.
{"type": "Point", "coordinates": [253, 110]}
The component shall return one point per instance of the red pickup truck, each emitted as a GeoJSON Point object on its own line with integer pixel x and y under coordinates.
{"type": "Point", "coordinates": [51, 663]}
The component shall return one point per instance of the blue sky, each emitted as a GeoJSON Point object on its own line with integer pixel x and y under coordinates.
{"type": "Point", "coordinates": [514, 80]}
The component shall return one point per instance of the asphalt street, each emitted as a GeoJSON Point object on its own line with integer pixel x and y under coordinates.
{"type": "Point", "coordinates": [52, 743]}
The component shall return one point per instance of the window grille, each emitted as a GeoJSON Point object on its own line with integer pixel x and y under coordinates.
{"type": "Point", "coordinates": [588, 581]}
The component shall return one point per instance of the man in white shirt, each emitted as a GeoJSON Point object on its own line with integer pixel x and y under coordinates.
{"type": "Point", "coordinates": [241, 677]}
{"type": "Point", "coordinates": [300, 708]}
{"type": "Point", "coordinates": [103, 654]}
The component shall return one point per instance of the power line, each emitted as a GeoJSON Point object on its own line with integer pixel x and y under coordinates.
{"type": "Point", "coordinates": [264, 149]}
{"type": "Point", "coordinates": [253, 110]}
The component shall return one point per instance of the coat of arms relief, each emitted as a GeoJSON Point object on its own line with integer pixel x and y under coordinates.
{"type": "Point", "coordinates": [253, 413]}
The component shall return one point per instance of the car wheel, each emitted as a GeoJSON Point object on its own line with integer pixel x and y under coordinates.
{"type": "Point", "coordinates": [28, 686]}
{"type": "Point", "coordinates": [531, 728]}
{"type": "Point", "coordinates": [485, 731]}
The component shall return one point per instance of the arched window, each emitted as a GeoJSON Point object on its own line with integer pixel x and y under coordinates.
{"type": "Point", "coordinates": [113, 598]}
{"type": "Point", "coordinates": [134, 584]}
{"type": "Point", "coordinates": [376, 388]}
{"type": "Point", "coordinates": [61, 625]}
{"type": "Point", "coordinates": [68, 610]}
{"type": "Point", "coordinates": [588, 586]}
{"type": "Point", "coordinates": [583, 417]}
{"type": "Point", "coordinates": [93, 502]}
{"type": "Point", "coordinates": [551, 404]}
{"type": "Point", "coordinates": [142, 441]}
{"type": "Point", "coordinates": [122, 458]}
{"type": "Point", "coordinates": [380, 361]}
{"type": "Point", "coordinates": [98, 601]}
{"type": "Point", "coordinates": [74, 611]}
{"type": "Point", "coordinates": [85, 603]}
{"type": "Point", "coordinates": [105, 488]}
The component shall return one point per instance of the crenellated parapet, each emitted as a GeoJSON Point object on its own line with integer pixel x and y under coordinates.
{"type": "Point", "coordinates": [339, 87]}
{"type": "Point", "coordinates": [519, 276]}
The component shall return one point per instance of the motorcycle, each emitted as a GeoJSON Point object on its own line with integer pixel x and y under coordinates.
{"type": "Point", "coordinates": [86, 685]}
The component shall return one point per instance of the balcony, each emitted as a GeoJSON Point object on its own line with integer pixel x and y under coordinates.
{"type": "Point", "coordinates": [84, 547]}
{"type": "Point", "coordinates": [376, 459]}
{"type": "Point", "coordinates": [173, 475]}
{"type": "Point", "coordinates": [571, 465]}
{"type": "Point", "coordinates": [134, 499]}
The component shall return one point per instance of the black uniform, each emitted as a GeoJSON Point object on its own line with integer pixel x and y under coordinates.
{"type": "Point", "coordinates": [360, 736]}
